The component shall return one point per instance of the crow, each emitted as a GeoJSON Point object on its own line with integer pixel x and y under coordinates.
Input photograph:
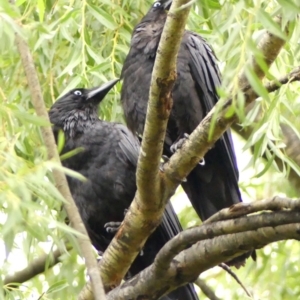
{"type": "Point", "coordinates": [213, 184]}
{"type": "Point", "coordinates": [108, 160]}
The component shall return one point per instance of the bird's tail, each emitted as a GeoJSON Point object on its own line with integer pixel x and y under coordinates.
{"type": "Point", "coordinates": [213, 185]}
{"type": "Point", "coordinates": [169, 227]}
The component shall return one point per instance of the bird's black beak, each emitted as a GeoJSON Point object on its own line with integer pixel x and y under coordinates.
{"type": "Point", "coordinates": [167, 5]}
{"type": "Point", "coordinates": [100, 92]}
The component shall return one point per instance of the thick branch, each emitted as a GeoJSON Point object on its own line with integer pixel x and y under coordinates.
{"type": "Point", "coordinates": [159, 108]}
{"type": "Point", "coordinates": [186, 238]}
{"type": "Point", "coordinates": [37, 266]}
{"type": "Point", "coordinates": [219, 242]}
{"type": "Point", "coordinates": [146, 210]}
{"type": "Point", "coordinates": [143, 217]}
{"type": "Point", "coordinates": [240, 209]}
{"type": "Point", "coordinates": [59, 177]}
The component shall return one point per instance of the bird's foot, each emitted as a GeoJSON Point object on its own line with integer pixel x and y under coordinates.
{"type": "Point", "coordinates": [99, 257]}
{"type": "Point", "coordinates": [165, 160]}
{"type": "Point", "coordinates": [201, 162]}
{"type": "Point", "coordinates": [112, 227]}
{"type": "Point", "coordinates": [179, 143]}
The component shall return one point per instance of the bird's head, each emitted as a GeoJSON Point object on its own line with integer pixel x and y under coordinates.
{"type": "Point", "coordinates": [79, 102]}
{"type": "Point", "coordinates": [158, 9]}
{"type": "Point", "coordinates": [162, 5]}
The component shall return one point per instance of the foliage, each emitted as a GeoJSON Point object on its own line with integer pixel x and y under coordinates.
{"type": "Point", "coordinates": [84, 43]}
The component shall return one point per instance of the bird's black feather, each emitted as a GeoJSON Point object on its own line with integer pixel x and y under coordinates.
{"type": "Point", "coordinates": [108, 162]}
{"type": "Point", "coordinates": [213, 186]}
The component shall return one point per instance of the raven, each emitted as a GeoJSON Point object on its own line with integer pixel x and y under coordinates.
{"type": "Point", "coordinates": [213, 185]}
{"type": "Point", "coordinates": [108, 161]}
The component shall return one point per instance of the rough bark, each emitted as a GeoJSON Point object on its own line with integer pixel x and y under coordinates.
{"type": "Point", "coordinates": [181, 261]}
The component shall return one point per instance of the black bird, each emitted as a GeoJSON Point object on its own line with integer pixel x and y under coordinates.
{"type": "Point", "coordinates": [213, 185]}
{"type": "Point", "coordinates": [108, 160]}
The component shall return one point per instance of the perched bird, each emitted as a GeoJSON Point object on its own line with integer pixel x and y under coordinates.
{"type": "Point", "coordinates": [108, 160]}
{"type": "Point", "coordinates": [213, 185]}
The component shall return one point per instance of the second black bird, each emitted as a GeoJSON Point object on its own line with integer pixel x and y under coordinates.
{"type": "Point", "coordinates": [214, 185]}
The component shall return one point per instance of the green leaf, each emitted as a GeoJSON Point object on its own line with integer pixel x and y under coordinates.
{"type": "Point", "coordinates": [57, 286]}
{"type": "Point", "coordinates": [41, 9]}
{"type": "Point", "coordinates": [269, 24]}
{"type": "Point", "coordinates": [71, 153]}
{"type": "Point", "coordinates": [103, 17]}
{"type": "Point", "coordinates": [256, 83]}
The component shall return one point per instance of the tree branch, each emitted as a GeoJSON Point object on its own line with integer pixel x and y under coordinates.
{"type": "Point", "coordinates": [272, 86]}
{"type": "Point", "coordinates": [182, 261]}
{"type": "Point", "coordinates": [37, 266]}
{"type": "Point", "coordinates": [290, 138]}
{"type": "Point", "coordinates": [59, 176]}
{"type": "Point", "coordinates": [294, 75]}
{"type": "Point", "coordinates": [143, 217]}
{"type": "Point", "coordinates": [147, 208]}
{"type": "Point", "coordinates": [194, 149]}
{"type": "Point", "coordinates": [241, 209]}
{"type": "Point", "coordinates": [207, 291]}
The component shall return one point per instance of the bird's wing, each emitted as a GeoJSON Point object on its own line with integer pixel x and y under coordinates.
{"type": "Point", "coordinates": [128, 143]}
{"type": "Point", "coordinates": [205, 72]}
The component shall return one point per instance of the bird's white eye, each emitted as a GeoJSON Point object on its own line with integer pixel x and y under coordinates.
{"type": "Point", "coordinates": [77, 93]}
{"type": "Point", "coordinates": [157, 4]}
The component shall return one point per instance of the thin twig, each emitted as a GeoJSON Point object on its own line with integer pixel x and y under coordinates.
{"type": "Point", "coordinates": [35, 267]}
{"type": "Point", "coordinates": [235, 277]}
{"type": "Point", "coordinates": [207, 291]}
{"type": "Point", "coordinates": [59, 176]}
{"type": "Point", "coordinates": [189, 236]}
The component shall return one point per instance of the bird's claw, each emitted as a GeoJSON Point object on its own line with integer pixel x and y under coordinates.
{"type": "Point", "coordinates": [201, 162]}
{"type": "Point", "coordinates": [112, 227]}
{"type": "Point", "coordinates": [99, 257]}
{"type": "Point", "coordinates": [179, 143]}
{"type": "Point", "coordinates": [165, 159]}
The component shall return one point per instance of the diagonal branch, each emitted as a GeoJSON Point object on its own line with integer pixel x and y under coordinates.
{"type": "Point", "coordinates": [207, 231]}
{"type": "Point", "coordinates": [290, 138]}
{"type": "Point", "coordinates": [37, 266]}
{"type": "Point", "coordinates": [257, 232]}
{"type": "Point", "coordinates": [144, 216]}
{"type": "Point", "coordinates": [207, 291]}
{"type": "Point", "coordinates": [294, 75]}
{"type": "Point", "coordinates": [59, 176]}
{"type": "Point", "coordinates": [241, 209]}
{"type": "Point", "coordinates": [194, 149]}
{"type": "Point", "coordinates": [147, 208]}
